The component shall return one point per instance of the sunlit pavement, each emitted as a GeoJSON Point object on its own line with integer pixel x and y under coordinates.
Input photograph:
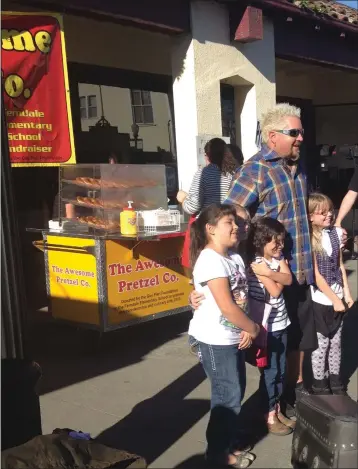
{"type": "Point", "coordinates": [146, 393]}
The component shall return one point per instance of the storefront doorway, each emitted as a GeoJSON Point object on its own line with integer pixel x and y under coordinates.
{"type": "Point", "coordinates": [328, 98]}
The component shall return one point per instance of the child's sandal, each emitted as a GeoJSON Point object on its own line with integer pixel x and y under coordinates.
{"type": "Point", "coordinates": [245, 453]}
{"type": "Point", "coordinates": [238, 448]}
{"type": "Point", "coordinates": [243, 460]}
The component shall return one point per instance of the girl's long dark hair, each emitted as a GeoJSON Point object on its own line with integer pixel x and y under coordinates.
{"type": "Point", "coordinates": [218, 153]}
{"type": "Point", "coordinates": [236, 153]}
{"type": "Point", "coordinates": [261, 232]}
{"type": "Point", "coordinates": [209, 216]}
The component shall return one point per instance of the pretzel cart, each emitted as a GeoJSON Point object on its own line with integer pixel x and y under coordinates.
{"type": "Point", "coordinates": [100, 278]}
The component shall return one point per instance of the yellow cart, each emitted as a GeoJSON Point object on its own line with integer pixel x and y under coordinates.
{"type": "Point", "coordinates": [106, 282]}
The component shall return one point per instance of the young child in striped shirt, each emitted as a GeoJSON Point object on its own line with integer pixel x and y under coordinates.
{"type": "Point", "coordinates": [267, 276]}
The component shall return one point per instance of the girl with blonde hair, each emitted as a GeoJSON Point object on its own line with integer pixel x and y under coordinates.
{"type": "Point", "coordinates": [330, 294]}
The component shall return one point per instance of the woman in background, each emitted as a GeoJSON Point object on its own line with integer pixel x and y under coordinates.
{"type": "Point", "coordinates": [210, 185]}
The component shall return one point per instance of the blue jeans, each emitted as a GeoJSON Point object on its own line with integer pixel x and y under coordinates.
{"type": "Point", "coordinates": [273, 375]}
{"type": "Point", "coordinates": [224, 365]}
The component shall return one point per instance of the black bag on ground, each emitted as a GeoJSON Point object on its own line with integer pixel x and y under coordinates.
{"type": "Point", "coordinates": [326, 433]}
{"type": "Point", "coordinates": [20, 404]}
{"type": "Point", "coordinates": [59, 450]}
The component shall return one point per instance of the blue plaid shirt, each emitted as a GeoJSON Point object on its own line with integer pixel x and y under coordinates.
{"type": "Point", "coordinates": [268, 186]}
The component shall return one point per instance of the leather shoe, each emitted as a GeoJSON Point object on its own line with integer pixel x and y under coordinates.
{"type": "Point", "coordinates": [286, 421]}
{"type": "Point", "coordinates": [277, 428]}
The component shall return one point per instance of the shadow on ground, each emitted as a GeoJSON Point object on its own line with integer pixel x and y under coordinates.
{"type": "Point", "coordinates": [155, 424]}
{"type": "Point", "coordinates": [68, 355]}
{"type": "Point", "coordinates": [252, 430]}
{"type": "Point", "coordinates": [194, 462]}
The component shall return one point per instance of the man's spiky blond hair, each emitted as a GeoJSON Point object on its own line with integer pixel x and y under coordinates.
{"type": "Point", "coordinates": [274, 119]}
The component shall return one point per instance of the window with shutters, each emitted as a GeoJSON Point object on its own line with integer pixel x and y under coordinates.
{"type": "Point", "coordinates": [88, 107]}
{"type": "Point", "coordinates": [142, 107]}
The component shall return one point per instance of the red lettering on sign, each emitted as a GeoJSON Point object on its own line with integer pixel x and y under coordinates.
{"type": "Point", "coordinates": [124, 286]}
{"type": "Point", "coordinates": [170, 278]}
{"type": "Point", "coordinates": [119, 269]}
{"type": "Point", "coordinates": [139, 266]}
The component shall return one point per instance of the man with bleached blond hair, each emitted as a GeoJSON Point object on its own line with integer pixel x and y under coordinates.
{"type": "Point", "coordinates": [273, 184]}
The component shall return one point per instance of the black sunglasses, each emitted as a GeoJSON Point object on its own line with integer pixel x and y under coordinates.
{"type": "Point", "coordinates": [292, 132]}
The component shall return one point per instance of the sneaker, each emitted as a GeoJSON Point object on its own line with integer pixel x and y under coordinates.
{"type": "Point", "coordinates": [278, 428]}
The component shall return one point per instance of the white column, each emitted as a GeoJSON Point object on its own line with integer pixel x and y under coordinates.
{"type": "Point", "coordinates": [248, 123]}
{"type": "Point", "coordinates": [185, 109]}
{"type": "Point", "coordinates": [200, 62]}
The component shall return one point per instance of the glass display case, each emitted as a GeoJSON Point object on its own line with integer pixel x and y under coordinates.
{"type": "Point", "coordinates": [92, 196]}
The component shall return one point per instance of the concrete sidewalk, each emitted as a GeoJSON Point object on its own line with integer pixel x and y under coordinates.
{"type": "Point", "coordinates": [143, 391]}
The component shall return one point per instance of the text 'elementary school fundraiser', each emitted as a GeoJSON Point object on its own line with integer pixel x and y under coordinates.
{"type": "Point", "coordinates": [36, 95]}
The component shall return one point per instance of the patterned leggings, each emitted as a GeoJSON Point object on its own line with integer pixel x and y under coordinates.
{"type": "Point", "coordinates": [332, 348]}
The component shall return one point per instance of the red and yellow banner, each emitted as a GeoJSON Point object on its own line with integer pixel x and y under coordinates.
{"type": "Point", "coordinates": [36, 90]}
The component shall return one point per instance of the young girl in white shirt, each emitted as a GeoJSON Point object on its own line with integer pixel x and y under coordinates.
{"type": "Point", "coordinates": [221, 327]}
{"type": "Point", "coordinates": [330, 294]}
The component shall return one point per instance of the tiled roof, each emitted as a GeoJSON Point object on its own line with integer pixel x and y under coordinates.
{"type": "Point", "coordinates": [328, 8]}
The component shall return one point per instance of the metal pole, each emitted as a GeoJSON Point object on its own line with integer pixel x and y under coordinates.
{"type": "Point", "coordinates": [12, 284]}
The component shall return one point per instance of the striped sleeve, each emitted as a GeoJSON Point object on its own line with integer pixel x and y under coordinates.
{"type": "Point", "coordinates": [209, 186]}
{"type": "Point", "coordinates": [194, 201]}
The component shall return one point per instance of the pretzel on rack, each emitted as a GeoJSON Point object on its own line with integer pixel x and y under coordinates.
{"type": "Point", "coordinates": [98, 223]}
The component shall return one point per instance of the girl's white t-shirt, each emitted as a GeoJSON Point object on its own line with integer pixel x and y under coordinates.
{"type": "Point", "coordinates": [278, 319]}
{"type": "Point", "coordinates": [208, 324]}
{"type": "Point", "coordinates": [317, 295]}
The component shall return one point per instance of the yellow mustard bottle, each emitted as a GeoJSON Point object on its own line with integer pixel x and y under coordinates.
{"type": "Point", "coordinates": [128, 218]}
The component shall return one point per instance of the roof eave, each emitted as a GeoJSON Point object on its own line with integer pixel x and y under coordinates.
{"type": "Point", "coordinates": [295, 11]}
